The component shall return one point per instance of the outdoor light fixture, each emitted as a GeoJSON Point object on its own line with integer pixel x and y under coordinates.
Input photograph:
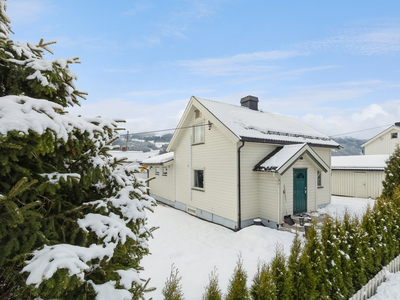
{"type": "Point", "coordinates": [209, 125]}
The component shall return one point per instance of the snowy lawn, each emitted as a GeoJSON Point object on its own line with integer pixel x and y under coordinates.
{"type": "Point", "coordinates": [195, 246]}
{"type": "Point", "coordinates": [354, 205]}
{"type": "Point", "coordinates": [390, 289]}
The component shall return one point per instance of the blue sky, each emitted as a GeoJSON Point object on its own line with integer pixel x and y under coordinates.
{"type": "Point", "coordinates": [334, 65]}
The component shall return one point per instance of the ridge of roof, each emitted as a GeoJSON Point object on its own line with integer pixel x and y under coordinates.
{"type": "Point", "coordinates": [264, 126]}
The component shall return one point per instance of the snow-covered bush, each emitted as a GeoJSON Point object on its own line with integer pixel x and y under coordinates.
{"type": "Point", "coordinates": [71, 225]}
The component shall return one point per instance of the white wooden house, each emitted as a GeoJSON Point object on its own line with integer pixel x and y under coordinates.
{"type": "Point", "coordinates": [362, 175]}
{"type": "Point", "coordinates": [233, 164]}
{"type": "Point", "coordinates": [358, 175]}
{"type": "Point", "coordinates": [384, 142]}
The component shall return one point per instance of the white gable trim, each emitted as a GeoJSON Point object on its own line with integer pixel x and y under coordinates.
{"type": "Point", "coordinates": [380, 134]}
{"type": "Point", "coordinates": [207, 115]}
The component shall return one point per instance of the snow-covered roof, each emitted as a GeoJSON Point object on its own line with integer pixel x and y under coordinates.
{"type": "Point", "coordinates": [159, 159]}
{"type": "Point", "coordinates": [258, 125]}
{"type": "Point", "coordinates": [359, 162]}
{"type": "Point", "coordinates": [393, 127]}
{"type": "Point", "coordinates": [133, 156]}
{"type": "Point", "coordinates": [278, 159]}
{"type": "Point", "coordinates": [281, 158]}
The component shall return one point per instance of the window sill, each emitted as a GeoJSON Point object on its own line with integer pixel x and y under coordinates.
{"type": "Point", "coordinates": [320, 187]}
{"type": "Point", "coordinates": [200, 143]}
{"type": "Point", "coordinates": [198, 189]}
{"type": "Point", "coordinates": [157, 174]}
{"type": "Point", "coordinates": [164, 175]}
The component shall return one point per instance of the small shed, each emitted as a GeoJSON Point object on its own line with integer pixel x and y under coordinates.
{"type": "Point", "coordinates": [358, 176]}
{"type": "Point", "coordinates": [161, 168]}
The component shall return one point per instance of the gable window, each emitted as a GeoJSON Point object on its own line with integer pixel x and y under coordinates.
{"type": "Point", "coordinates": [198, 134]}
{"type": "Point", "coordinates": [165, 171]}
{"type": "Point", "coordinates": [394, 135]}
{"type": "Point", "coordinates": [198, 179]}
{"type": "Point", "coordinates": [319, 179]}
{"type": "Point", "coordinates": [197, 114]}
{"type": "Point", "coordinates": [157, 170]}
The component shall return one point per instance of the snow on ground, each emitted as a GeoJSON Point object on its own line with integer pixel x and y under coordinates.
{"type": "Point", "coordinates": [195, 246]}
{"type": "Point", "coordinates": [339, 204]}
{"type": "Point", "coordinates": [390, 289]}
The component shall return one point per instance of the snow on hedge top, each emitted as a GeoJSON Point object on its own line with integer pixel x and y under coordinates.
{"type": "Point", "coordinates": [244, 122]}
{"type": "Point", "coordinates": [159, 159]}
{"type": "Point", "coordinates": [22, 113]}
{"type": "Point", "coordinates": [281, 157]}
{"type": "Point", "coordinates": [372, 162]}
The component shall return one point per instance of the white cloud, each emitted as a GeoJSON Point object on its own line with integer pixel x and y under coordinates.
{"type": "Point", "coordinates": [236, 64]}
{"type": "Point", "coordinates": [369, 40]}
{"type": "Point", "coordinates": [371, 116]}
{"type": "Point", "coordinates": [138, 8]}
{"type": "Point", "coordinates": [139, 117]}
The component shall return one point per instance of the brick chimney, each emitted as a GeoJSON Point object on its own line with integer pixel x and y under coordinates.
{"type": "Point", "coordinates": [250, 102]}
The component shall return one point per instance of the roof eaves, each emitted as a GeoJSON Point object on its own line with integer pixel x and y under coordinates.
{"type": "Point", "coordinates": [280, 142]}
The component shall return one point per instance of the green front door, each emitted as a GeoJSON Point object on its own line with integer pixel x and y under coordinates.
{"type": "Point", "coordinates": [299, 191]}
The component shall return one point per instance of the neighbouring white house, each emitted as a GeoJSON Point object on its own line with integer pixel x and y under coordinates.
{"type": "Point", "coordinates": [362, 175]}
{"type": "Point", "coordinates": [358, 176]}
{"type": "Point", "coordinates": [134, 158]}
{"type": "Point", "coordinates": [384, 142]}
{"type": "Point", "coordinates": [232, 164]}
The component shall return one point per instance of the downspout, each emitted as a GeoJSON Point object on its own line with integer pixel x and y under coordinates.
{"type": "Point", "coordinates": [239, 190]}
{"type": "Point", "coordinates": [279, 202]}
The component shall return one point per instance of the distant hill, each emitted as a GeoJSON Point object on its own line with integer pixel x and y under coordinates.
{"type": "Point", "coordinates": [143, 143]}
{"type": "Point", "coordinates": [350, 146]}
{"type": "Point", "coordinates": [136, 142]}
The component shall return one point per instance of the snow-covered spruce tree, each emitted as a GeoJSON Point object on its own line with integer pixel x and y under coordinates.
{"type": "Point", "coordinates": [344, 250]}
{"type": "Point", "coordinates": [295, 269]}
{"type": "Point", "coordinates": [72, 226]}
{"type": "Point", "coordinates": [371, 244]}
{"type": "Point", "coordinates": [313, 254]}
{"type": "Point", "coordinates": [212, 290]}
{"type": "Point", "coordinates": [353, 237]}
{"type": "Point", "coordinates": [263, 287]}
{"type": "Point", "coordinates": [335, 287]}
{"type": "Point", "coordinates": [237, 289]}
{"type": "Point", "coordinates": [173, 288]}
{"type": "Point", "coordinates": [280, 274]}
{"type": "Point", "coordinates": [392, 174]}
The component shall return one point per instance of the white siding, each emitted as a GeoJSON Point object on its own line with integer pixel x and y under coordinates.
{"type": "Point", "coordinates": [383, 144]}
{"type": "Point", "coordinates": [268, 196]}
{"type": "Point", "coordinates": [251, 154]}
{"type": "Point", "coordinates": [344, 183]}
{"type": "Point", "coordinates": [217, 156]}
{"type": "Point", "coordinates": [162, 185]}
{"type": "Point", "coordinates": [287, 185]}
{"type": "Point", "coordinates": [324, 193]}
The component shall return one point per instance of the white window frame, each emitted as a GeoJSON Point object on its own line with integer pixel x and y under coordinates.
{"type": "Point", "coordinates": [198, 134]}
{"type": "Point", "coordinates": [394, 135]}
{"type": "Point", "coordinates": [319, 179]}
{"type": "Point", "coordinates": [157, 171]}
{"type": "Point", "coordinates": [194, 184]}
{"type": "Point", "coordinates": [164, 171]}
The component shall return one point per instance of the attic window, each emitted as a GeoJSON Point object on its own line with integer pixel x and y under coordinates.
{"type": "Point", "coordinates": [198, 134]}
{"type": "Point", "coordinates": [197, 114]}
{"type": "Point", "coordinates": [394, 135]}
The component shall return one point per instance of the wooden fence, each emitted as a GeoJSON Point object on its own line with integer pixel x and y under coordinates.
{"type": "Point", "coordinates": [371, 287]}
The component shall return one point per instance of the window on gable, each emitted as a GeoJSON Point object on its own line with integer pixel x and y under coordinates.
{"type": "Point", "coordinates": [157, 171]}
{"type": "Point", "coordinates": [197, 114]}
{"type": "Point", "coordinates": [198, 179]}
{"type": "Point", "coordinates": [319, 178]}
{"type": "Point", "coordinates": [198, 134]}
{"type": "Point", "coordinates": [394, 135]}
{"type": "Point", "coordinates": [165, 171]}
